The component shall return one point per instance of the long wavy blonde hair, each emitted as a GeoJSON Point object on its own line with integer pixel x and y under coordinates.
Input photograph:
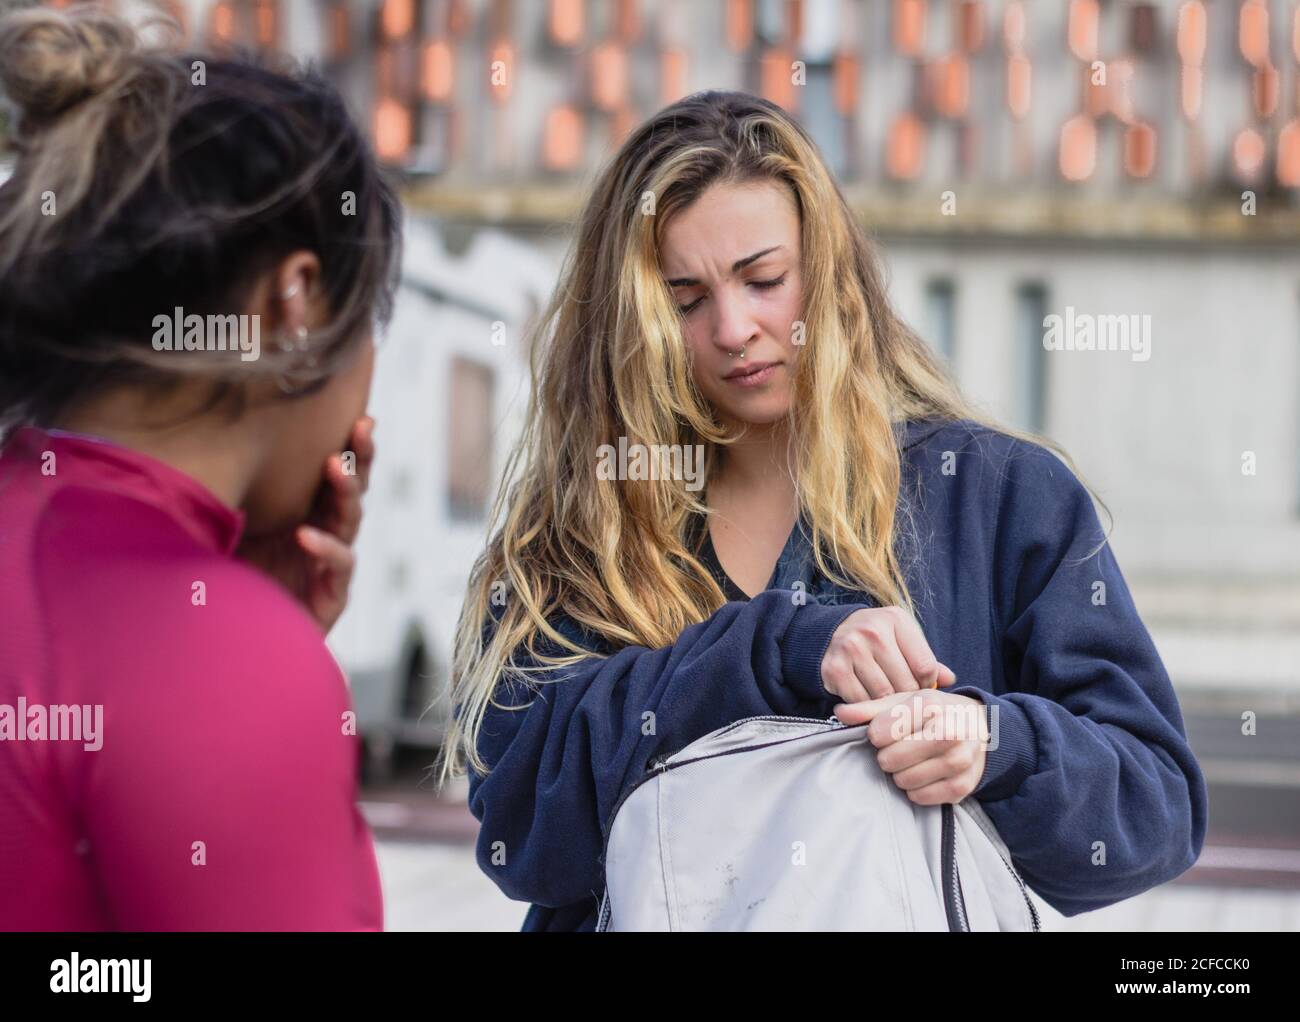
{"type": "Point", "coordinates": [609, 361]}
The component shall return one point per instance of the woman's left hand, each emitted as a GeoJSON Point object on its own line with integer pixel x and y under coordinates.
{"type": "Point", "coordinates": [931, 742]}
{"type": "Point", "coordinates": [314, 559]}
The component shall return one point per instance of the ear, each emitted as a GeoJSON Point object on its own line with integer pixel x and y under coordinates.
{"type": "Point", "coordinates": [295, 282]}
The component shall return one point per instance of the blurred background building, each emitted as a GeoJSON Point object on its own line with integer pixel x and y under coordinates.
{"type": "Point", "coordinates": [1014, 160]}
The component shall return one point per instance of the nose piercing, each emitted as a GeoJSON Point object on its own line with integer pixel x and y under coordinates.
{"type": "Point", "coordinates": [732, 354]}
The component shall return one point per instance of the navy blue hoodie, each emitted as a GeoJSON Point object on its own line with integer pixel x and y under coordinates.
{"type": "Point", "coordinates": [1003, 553]}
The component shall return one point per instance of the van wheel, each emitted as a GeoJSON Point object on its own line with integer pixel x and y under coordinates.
{"type": "Point", "coordinates": [378, 761]}
{"type": "Point", "coordinates": [414, 685]}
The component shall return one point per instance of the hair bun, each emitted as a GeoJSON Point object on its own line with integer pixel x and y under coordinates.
{"type": "Point", "coordinates": [52, 59]}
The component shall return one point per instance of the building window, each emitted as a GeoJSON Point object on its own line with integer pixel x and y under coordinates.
{"type": "Point", "coordinates": [438, 71]}
{"type": "Point", "coordinates": [1031, 358]}
{"type": "Point", "coordinates": [740, 24]}
{"type": "Point", "coordinates": [562, 138]}
{"type": "Point", "coordinates": [469, 439]}
{"type": "Point", "coordinates": [565, 22]}
{"type": "Point", "coordinates": [941, 316]}
{"type": "Point", "coordinates": [397, 18]}
{"type": "Point", "coordinates": [266, 23]}
{"type": "Point", "coordinates": [392, 130]}
{"type": "Point", "coordinates": [338, 31]}
{"type": "Point", "coordinates": [222, 28]}
{"type": "Point", "coordinates": [251, 23]}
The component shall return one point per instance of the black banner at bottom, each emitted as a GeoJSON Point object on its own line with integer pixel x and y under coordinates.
{"type": "Point", "coordinates": [142, 972]}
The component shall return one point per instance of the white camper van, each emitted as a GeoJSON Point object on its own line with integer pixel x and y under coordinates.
{"type": "Point", "coordinates": [450, 390]}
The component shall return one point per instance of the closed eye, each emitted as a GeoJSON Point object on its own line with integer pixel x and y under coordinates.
{"type": "Point", "coordinates": [762, 285]}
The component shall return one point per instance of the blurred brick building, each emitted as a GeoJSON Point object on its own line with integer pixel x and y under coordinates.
{"type": "Point", "coordinates": [1015, 159]}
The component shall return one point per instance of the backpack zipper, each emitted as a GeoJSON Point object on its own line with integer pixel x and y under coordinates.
{"type": "Point", "coordinates": [954, 903]}
{"type": "Point", "coordinates": [659, 763]}
{"type": "Point", "coordinates": [1033, 912]}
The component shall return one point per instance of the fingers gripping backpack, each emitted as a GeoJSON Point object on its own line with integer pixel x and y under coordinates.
{"type": "Point", "coordinates": [788, 823]}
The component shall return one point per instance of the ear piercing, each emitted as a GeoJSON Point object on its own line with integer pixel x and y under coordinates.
{"type": "Point", "coordinates": [300, 333]}
{"type": "Point", "coordinates": [301, 340]}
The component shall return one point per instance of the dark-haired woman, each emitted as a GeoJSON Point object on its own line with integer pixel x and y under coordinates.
{"type": "Point", "coordinates": [177, 749]}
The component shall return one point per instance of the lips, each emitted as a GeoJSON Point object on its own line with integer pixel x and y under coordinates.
{"type": "Point", "coordinates": [749, 370]}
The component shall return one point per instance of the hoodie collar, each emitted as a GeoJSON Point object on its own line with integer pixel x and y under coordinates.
{"type": "Point", "coordinates": [911, 432]}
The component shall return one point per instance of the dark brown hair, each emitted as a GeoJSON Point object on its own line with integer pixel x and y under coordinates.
{"type": "Point", "coordinates": [175, 179]}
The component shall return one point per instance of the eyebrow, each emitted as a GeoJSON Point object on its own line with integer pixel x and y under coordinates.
{"type": "Point", "coordinates": [736, 267]}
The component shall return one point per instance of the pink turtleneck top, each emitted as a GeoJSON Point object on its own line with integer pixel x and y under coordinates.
{"type": "Point", "coordinates": [176, 751]}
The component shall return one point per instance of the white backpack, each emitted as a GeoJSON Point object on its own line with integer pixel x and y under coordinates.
{"type": "Point", "coordinates": [788, 823]}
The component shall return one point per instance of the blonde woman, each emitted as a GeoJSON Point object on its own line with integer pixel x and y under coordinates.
{"type": "Point", "coordinates": [860, 535]}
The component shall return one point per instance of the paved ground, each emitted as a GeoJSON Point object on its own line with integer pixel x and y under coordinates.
{"type": "Point", "coordinates": [440, 887]}
{"type": "Point", "coordinates": [429, 886]}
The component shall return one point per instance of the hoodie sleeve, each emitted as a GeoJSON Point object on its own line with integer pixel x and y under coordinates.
{"type": "Point", "coordinates": [1091, 782]}
{"type": "Point", "coordinates": [559, 764]}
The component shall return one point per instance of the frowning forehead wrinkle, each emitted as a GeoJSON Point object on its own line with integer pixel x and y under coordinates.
{"type": "Point", "coordinates": [736, 267]}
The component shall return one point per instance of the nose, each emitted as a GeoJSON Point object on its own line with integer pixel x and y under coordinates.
{"type": "Point", "coordinates": [733, 326]}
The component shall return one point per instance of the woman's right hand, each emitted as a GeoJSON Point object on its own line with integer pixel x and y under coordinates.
{"type": "Point", "coordinates": [877, 651]}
